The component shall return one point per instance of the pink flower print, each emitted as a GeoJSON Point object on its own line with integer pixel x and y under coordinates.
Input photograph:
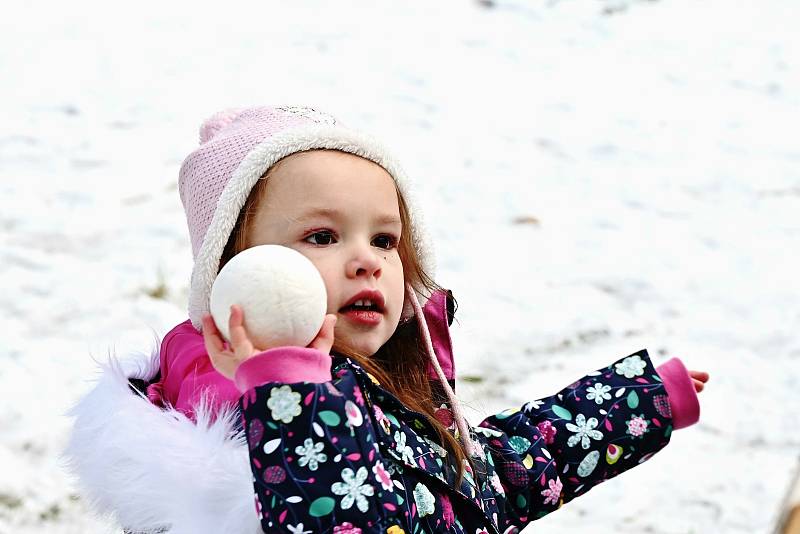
{"type": "Point", "coordinates": [383, 421]}
{"type": "Point", "coordinates": [357, 394]}
{"type": "Point", "coordinates": [255, 433]}
{"type": "Point", "coordinates": [346, 528]}
{"type": "Point", "coordinates": [382, 476]}
{"type": "Point", "coordinates": [258, 505]}
{"type": "Point", "coordinates": [497, 484]}
{"type": "Point", "coordinates": [553, 492]}
{"type": "Point", "coordinates": [332, 391]}
{"type": "Point", "coordinates": [445, 416]}
{"type": "Point", "coordinates": [447, 510]}
{"type": "Point", "coordinates": [637, 426]}
{"type": "Point", "coordinates": [661, 402]}
{"type": "Point", "coordinates": [354, 417]}
{"type": "Point", "coordinates": [548, 431]}
{"type": "Point", "coordinates": [274, 474]}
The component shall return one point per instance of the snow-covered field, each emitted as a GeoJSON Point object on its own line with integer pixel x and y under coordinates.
{"type": "Point", "coordinates": [599, 177]}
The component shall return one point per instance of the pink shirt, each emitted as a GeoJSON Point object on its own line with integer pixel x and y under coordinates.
{"type": "Point", "coordinates": [187, 374]}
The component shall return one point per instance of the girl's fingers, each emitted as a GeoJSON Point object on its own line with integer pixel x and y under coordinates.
{"type": "Point", "coordinates": [702, 376]}
{"type": "Point", "coordinates": [221, 358]}
{"type": "Point", "coordinates": [698, 385]}
{"type": "Point", "coordinates": [240, 342]}
{"type": "Point", "coordinates": [211, 336]}
{"type": "Point", "coordinates": [236, 326]}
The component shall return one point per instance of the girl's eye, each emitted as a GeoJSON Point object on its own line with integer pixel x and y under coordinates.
{"type": "Point", "coordinates": [385, 241]}
{"type": "Point", "coordinates": [324, 237]}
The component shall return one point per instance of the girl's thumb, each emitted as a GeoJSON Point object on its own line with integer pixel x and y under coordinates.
{"type": "Point", "coordinates": [324, 340]}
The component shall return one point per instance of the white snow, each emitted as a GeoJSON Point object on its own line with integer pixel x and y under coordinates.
{"type": "Point", "coordinates": [656, 146]}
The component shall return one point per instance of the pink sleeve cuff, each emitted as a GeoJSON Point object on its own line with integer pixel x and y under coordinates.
{"type": "Point", "coordinates": [680, 389]}
{"type": "Point", "coordinates": [283, 364]}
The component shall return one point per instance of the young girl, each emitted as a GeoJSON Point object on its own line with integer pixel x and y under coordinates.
{"type": "Point", "coordinates": [360, 431]}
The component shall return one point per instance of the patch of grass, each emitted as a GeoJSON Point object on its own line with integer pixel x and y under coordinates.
{"type": "Point", "coordinates": [160, 290]}
{"type": "Point", "coordinates": [51, 513]}
{"type": "Point", "coordinates": [10, 501]}
{"type": "Point", "coordinates": [526, 219]}
{"type": "Point", "coordinates": [473, 379]}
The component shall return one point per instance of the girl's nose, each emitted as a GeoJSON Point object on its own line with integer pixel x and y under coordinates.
{"type": "Point", "coordinates": [364, 263]}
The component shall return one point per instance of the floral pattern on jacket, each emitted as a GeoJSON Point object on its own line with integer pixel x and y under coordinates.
{"type": "Point", "coordinates": [346, 456]}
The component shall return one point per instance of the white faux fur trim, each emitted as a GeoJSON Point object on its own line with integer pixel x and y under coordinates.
{"type": "Point", "coordinates": [155, 469]}
{"type": "Point", "coordinates": [253, 166]}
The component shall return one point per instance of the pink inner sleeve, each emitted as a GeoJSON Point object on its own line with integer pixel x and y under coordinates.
{"type": "Point", "coordinates": [683, 399]}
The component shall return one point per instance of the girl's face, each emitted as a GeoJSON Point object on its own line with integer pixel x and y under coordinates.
{"type": "Point", "coordinates": [341, 212]}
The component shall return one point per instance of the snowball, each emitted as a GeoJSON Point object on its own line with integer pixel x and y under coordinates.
{"type": "Point", "coordinates": [281, 292]}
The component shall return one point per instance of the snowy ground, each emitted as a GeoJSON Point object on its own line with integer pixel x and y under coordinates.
{"type": "Point", "coordinates": [599, 177]}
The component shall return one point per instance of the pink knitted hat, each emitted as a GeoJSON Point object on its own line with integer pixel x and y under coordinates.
{"type": "Point", "coordinates": [236, 148]}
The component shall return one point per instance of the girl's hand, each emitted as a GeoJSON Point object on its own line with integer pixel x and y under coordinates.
{"type": "Point", "coordinates": [699, 378]}
{"type": "Point", "coordinates": [226, 357]}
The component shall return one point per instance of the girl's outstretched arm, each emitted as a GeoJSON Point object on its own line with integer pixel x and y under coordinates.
{"type": "Point", "coordinates": [557, 448]}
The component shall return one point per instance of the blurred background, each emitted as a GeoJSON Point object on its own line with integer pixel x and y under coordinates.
{"type": "Point", "coordinates": [599, 177]}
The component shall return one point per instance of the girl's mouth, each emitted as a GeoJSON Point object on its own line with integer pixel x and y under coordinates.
{"type": "Point", "coordinates": [365, 316]}
{"type": "Point", "coordinates": [365, 308]}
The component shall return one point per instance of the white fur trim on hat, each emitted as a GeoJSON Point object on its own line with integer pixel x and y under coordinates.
{"type": "Point", "coordinates": [256, 163]}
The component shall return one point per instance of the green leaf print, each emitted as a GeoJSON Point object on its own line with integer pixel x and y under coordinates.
{"type": "Point", "coordinates": [633, 400]}
{"type": "Point", "coordinates": [519, 444]}
{"type": "Point", "coordinates": [330, 418]}
{"type": "Point", "coordinates": [322, 506]}
{"type": "Point", "coordinates": [393, 419]}
{"type": "Point", "coordinates": [561, 412]}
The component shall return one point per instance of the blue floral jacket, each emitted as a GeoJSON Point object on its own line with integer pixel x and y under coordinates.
{"type": "Point", "coordinates": [345, 456]}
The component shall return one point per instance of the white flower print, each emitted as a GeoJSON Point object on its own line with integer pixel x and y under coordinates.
{"type": "Point", "coordinates": [284, 404]}
{"type": "Point", "coordinates": [310, 454]}
{"type": "Point", "coordinates": [435, 447]}
{"type": "Point", "coordinates": [298, 529]}
{"type": "Point", "coordinates": [598, 393]}
{"type": "Point", "coordinates": [402, 448]}
{"type": "Point", "coordinates": [426, 503]}
{"type": "Point", "coordinates": [488, 432]}
{"type": "Point", "coordinates": [584, 429]}
{"type": "Point", "coordinates": [631, 366]}
{"type": "Point", "coordinates": [354, 489]}
{"type": "Point", "coordinates": [532, 405]}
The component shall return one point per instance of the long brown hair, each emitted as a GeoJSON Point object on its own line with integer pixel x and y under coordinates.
{"type": "Point", "coordinates": [401, 364]}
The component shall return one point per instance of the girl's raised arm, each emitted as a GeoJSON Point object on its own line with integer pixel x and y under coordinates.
{"type": "Point", "coordinates": [557, 448]}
